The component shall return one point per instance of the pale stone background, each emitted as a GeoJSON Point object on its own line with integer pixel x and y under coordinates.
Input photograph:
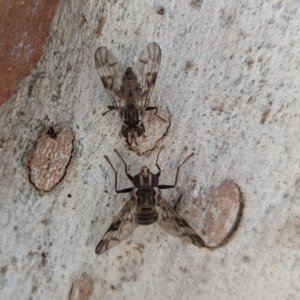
{"type": "Point", "coordinates": [244, 58]}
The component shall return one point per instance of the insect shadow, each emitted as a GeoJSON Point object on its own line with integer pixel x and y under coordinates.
{"type": "Point", "coordinates": [130, 90]}
{"type": "Point", "coordinates": [146, 206]}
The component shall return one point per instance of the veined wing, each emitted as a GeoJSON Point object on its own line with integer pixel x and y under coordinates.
{"type": "Point", "coordinates": [111, 72]}
{"type": "Point", "coordinates": [121, 228]}
{"type": "Point", "coordinates": [174, 224]}
{"type": "Point", "coordinates": [146, 70]}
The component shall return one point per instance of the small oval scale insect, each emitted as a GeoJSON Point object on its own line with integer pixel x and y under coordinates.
{"type": "Point", "coordinates": [144, 207]}
{"type": "Point", "coordinates": [130, 90]}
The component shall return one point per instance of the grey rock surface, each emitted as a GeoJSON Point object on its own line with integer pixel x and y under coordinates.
{"type": "Point", "coordinates": [230, 78]}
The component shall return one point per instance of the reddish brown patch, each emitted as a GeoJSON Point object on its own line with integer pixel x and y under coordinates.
{"type": "Point", "coordinates": [3, 270]}
{"type": "Point", "coordinates": [223, 213]}
{"type": "Point", "coordinates": [249, 61]}
{"type": "Point", "coordinates": [196, 4]}
{"type": "Point", "coordinates": [24, 28]}
{"type": "Point", "coordinates": [101, 25]}
{"type": "Point", "coordinates": [140, 247]}
{"type": "Point", "coordinates": [49, 158]}
{"type": "Point", "coordinates": [198, 201]}
{"type": "Point", "coordinates": [81, 288]}
{"type": "Point", "coordinates": [161, 12]}
{"type": "Point", "coordinates": [156, 129]}
{"type": "Point", "coordinates": [220, 211]}
{"type": "Point", "coordinates": [265, 116]}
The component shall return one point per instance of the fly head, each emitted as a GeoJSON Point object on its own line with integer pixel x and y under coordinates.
{"type": "Point", "coordinates": [145, 179]}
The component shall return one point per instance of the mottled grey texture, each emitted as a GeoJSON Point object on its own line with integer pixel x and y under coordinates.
{"type": "Point", "coordinates": [224, 64]}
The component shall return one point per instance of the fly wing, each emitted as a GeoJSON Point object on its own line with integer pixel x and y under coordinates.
{"type": "Point", "coordinates": [146, 70]}
{"type": "Point", "coordinates": [111, 72]}
{"type": "Point", "coordinates": [121, 228]}
{"type": "Point", "coordinates": [175, 225]}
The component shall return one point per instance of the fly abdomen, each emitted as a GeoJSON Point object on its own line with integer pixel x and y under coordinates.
{"type": "Point", "coordinates": [147, 216]}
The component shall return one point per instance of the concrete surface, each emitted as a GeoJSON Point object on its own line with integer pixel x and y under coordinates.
{"type": "Point", "coordinates": [230, 77]}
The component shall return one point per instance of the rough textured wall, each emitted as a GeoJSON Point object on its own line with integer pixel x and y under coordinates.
{"type": "Point", "coordinates": [230, 77]}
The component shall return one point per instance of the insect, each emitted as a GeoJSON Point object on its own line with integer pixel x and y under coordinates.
{"type": "Point", "coordinates": [144, 207]}
{"type": "Point", "coordinates": [130, 90]}
{"type": "Point", "coordinates": [51, 132]}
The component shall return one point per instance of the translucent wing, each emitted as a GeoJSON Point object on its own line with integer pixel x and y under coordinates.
{"type": "Point", "coordinates": [111, 72]}
{"type": "Point", "coordinates": [174, 224]}
{"type": "Point", "coordinates": [146, 70]}
{"type": "Point", "coordinates": [121, 228]}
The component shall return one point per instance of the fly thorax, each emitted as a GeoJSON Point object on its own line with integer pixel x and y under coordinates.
{"type": "Point", "coordinates": [146, 198]}
{"type": "Point", "coordinates": [131, 115]}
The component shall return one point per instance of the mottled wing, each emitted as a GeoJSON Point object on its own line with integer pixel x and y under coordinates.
{"type": "Point", "coordinates": [146, 70]}
{"type": "Point", "coordinates": [121, 228]}
{"type": "Point", "coordinates": [174, 224]}
{"type": "Point", "coordinates": [111, 72]}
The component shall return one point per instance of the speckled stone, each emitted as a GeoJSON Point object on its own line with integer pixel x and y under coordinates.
{"type": "Point", "coordinates": [229, 76]}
